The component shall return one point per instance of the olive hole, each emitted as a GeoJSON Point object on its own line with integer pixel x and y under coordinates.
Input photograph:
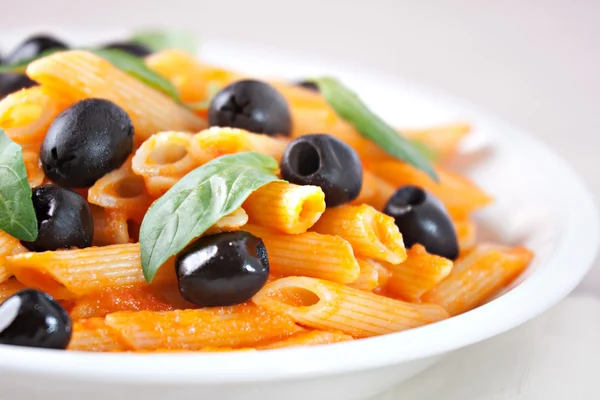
{"type": "Point", "coordinates": [169, 153]}
{"type": "Point", "coordinates": [297, 296]}
{"type": "Point", "coordinates": [412, 195]}
{"type": "Point", "coordinates": [130, 187]}
{"type": "Point", "coordinates": [305, 159]}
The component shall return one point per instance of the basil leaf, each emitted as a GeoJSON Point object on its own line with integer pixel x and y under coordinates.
{"type": "Point", "coordinates": [157, 40]}
{"type": "Point", "coordinates": [17, 216]}
{"type": "Point", "coordinates": [197, 202]}
{"type": "Point", "coordinates": [426, 150]}
{"type": "Point", "coordinates": [136, 67]}
{"type": "Point", "coordinates": [349, 107]}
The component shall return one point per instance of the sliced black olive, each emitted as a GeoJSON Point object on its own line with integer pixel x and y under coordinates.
{"type": "Point", "coordinates": [34, 319]}
{"type": "Point", "coordinates": [325, 161]}
{"type": "Point", "coordinates": [135, 49]}
{"type": "Point", "coordinates": [85, 142]}
{"type": "Point", "coordinates": [33, 47]}
{"type": "Point", "coordinates": [423, 219]}
{"type": "Point", "coordinates": [64, 219]}
{"type": "Point", "coordinates": [308, 85]}
{"type": "Point", "coordinates": [223, 269]}
{"type": "Point", "coordinates": [251, 105]}
{"type": "Point", "coordinates": [10, 83]}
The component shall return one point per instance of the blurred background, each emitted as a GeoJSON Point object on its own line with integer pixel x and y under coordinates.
{"type": "Point", "coordinates": [534, 63]}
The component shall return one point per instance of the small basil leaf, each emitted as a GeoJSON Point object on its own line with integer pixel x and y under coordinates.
{"type": "Point", "coordinates": [349, 107]}
{"type": "Point", "coordinates": [427, 151]}
{"type": "Point", "coordinates": [21, 66]}
{"type": "Point", "coordinates": [197, 202]}
{"type": "Point", "coordinates": [136, 67]}
{"type": "Point", "coordinates": [17, 215]}
{"type": "Point", "coordinates": [157, 40]}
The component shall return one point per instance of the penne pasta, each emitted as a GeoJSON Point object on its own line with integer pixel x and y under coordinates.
{"type": "Point", "coordinates": [236, 327]}
{"type": "Point", "coordinates": [308, 338]}
{"type": "Point", "coordinates": [94, 335]}
{"type": "Point", "coordinates": [444, 140]}
{"type": "Point", "coordinates": [231, 222]}
{"type": "Point", "coordinates": [371, 233]}
{"type": "Point", "coordinates": [8, 246]}
{"type": "Point", "coordinates": [110, 226]}
{"type": "Point", "coordinates": [9, 287]}
{"type": "Point", "coordinates": [216, 141]}
{"type": "Point", "coordinates": [80, 75]}
{"type": "Point", "coordinates": [326, 305]}
{"type": "Point", "coordinates": [477, 276]}
{"type": "Point", "coordinates": [369, 276]}
{"type": "Point", "coordinates": [460, 196]}
{"type": "Point", "coordinates": [466, 233]}
{"type": "Point", "coordinates": [308, 254]}
{"type": "Point", "coordinates": [419, 273]}
{"type": "Point", "coordinates": [287, 207]}
{"type": "Point", "coordinates": [33, 166]}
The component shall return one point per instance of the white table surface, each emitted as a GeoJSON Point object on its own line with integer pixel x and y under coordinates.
{"type": "Point", "coordinates": [534, 63]}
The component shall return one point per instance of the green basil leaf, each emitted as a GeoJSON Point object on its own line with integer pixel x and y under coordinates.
{"type": "Point", "coordinates": [197, 202]}
{"type": "Point", "coordinates": [17, 216]}
{"type": "Point", "coordinates": [136, 67]}
{"type": "Point", "coordinates": [426, 150]}
{"type": "Point", "coordinates": [349, 107]}
{"type": "Point", "coordinates": [157, 40]}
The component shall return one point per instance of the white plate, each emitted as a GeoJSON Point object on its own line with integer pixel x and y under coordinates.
{"type": "Point", "coordinates": [541, 203]}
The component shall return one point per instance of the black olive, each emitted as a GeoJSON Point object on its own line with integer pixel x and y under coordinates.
{"type": "Point", "coordinates": [325, 161]}
{"type": "Point", "coordinates": [34, 319]}
{"type": "Point", "coordinates": [423, 219]}
{"type": "Point", "coordinates": [85, 142]}
{"type": "Point", "coordinates": [308, 85]}
{"type": "Point", "coordinates": [10, 83]}
{"type": "Point", "coordinates": [223, 269]}
{"type": "Point", "coordinates": [33, 47]}
{"type": "Point", "coordinates": [251, 105]}
{"type": "Point", "coordinates": [64, 219]}
{"type": "Point", "coordinates": [132, 48]}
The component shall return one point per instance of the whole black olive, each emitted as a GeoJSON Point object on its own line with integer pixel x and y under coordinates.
{"type": "Point", "coordinates": [223, 269]}
{"type": "Point", "coordinates": [33, 47]}
{"type": "Point", "coordinates": [64, 219]}
{"type": "Point", "coordinates": [85, 142]}
{"type": "Point", "coordinates": [251, 105]}
{"type": "Point", "coordinates": [325, 161]}
{"type": "Point", "coordinates": [423, 219]}
{"type": "Point", "coordinates": [10, 83]}
{"type": "Point", "coordinates": [308, 85]}
{"type": "Point", "coordinates": [132, 48]}
{"type": "Point", "coordinates": [34, 319]}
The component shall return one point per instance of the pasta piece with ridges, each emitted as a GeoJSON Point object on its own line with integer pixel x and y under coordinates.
{"type": "Point", "coordinates": [369, 276]}
{"type": "Point", "coordinates": [308, 254]}
{"type": "Point", "coordinates": [466, 233]}
{"type": "Point", "coordinates": [237, 326]}
{"type": "Point", "coordinates": [309, 338]}
{"type": "Point", "coordinates": [287, 207]}
{"type": "Point", "coordinates": [326, 305]}
{"type": "Point", "coordinates": [444, 140]}
{"type": "Point", "coordinates": [67, 274]}
{"type": "Point", "coordinates": [9, 287]}
{"type": "Point", "coordinates": [33, 167]}
{"type": "Point", "coordinates": [216, 141]}
{"type": "Point", "coordinates": [122, 189]}
{"type": "Point", "coordinates": [419, 273]}
{"type": "Point", "coordinates": [371, 233]}
{"type": "Point", "coordinates": [80, 75]}
{"type": "Point", "coordinates": [478, 276]}
{"type": "Point", "coordinates": [231, 222]}
{"type": "Point", "coordinates": [8, 246]}
{"type": "Point", "coordinates": [460, 196]}
{"type": "Point", "coordinates": [94, 335]}
{"type": "Point", "coordinates": [110, 226]}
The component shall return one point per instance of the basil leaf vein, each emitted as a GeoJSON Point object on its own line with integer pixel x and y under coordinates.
{"type": "Point", "coordinates": [17, 215]}
{"type": "Point", "coordinates": [197, 202]}
{"type": "Point", "coordinates": [349, 107]}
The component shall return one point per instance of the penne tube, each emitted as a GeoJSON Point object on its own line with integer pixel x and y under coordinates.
{"type": "Point", "coordinates": [216, 141]}
{"type": "Point", "coordinates": [68, 274]}
{"type": "Point", "coordinates": [369, 276]}
{"type": "Point", "coordinates": [81, 75]}
{"type": "Point", "coordinates": [419, 273]}
{"type": "Point", "coordinates": [383, 275]}
{"type": "Point", "coordinates": [326, 305]}
{"type": "Point", "coordinates": [110, 226]}
{"type": "Point", "coordinates": [477, 276]}
{"type": "Point", "coordinates": [231, 222]}
{"type": "Point", "coordinates": [287, 207]}
{"type": "Point", "coordinates": [308, 254]}
{"type": "Point", "coordinates": [460, 196]}
{"type": "Point", "coordinates": [8, 246]}
{"type": "Point", "coordinates": [94, 335]}
{"type": "Point", "coordinates": [466, 233]}
{"type": "Point", "coordinates": [308, 338]}
{"type": "Point", "coordinates": [371, 233]}
{"type": "Point", "coordinates": [444, 140]}
{"type": "Point", "coordinates": [123, 190]}
{"type": "Point", "coordinates": [236, 327]}
{"type": "Point", "coordinates": [33, 167]}
{"type": "Point", "coordinates": [26, 115]}
{"type": "Point", "coordinates": [9, 287]}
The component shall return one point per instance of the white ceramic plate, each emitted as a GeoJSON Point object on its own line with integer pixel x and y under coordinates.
{"type": "Point", "coordinates": [541, 203]}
